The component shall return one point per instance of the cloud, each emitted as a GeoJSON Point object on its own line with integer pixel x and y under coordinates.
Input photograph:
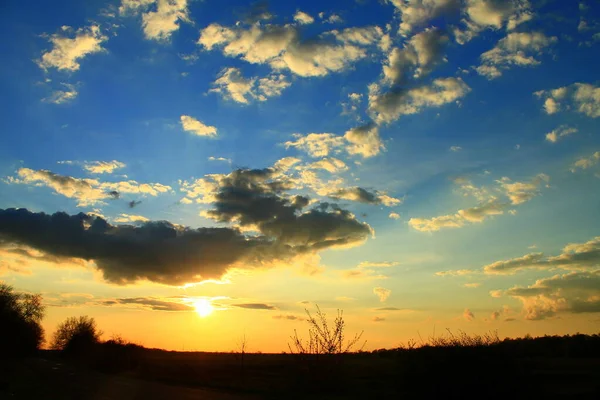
{"type": "Point", "coordinates": [468, 315]}
{"type": "Point", "coordinates": [389, 106]}
{"type": "Point", "coordinates": [378, 319]}
{"type": "Point", "coordinates": [521, 192]}
{"type": "Point", "coordinates": [494, 14]}
{"type": "Point", "coordinates": [255, 198]}
{"type": "Point", "coordinates": [303, 18]}
{"type": "Point", "coordinates": [232, 85]}
{"type": "Point", "coordinates": [364, 140]}
{"type": "Point", "coordinates": [67, 53]}
{"type": "Point", "coordinates": [102, 167]}
{"type": "Point", "coordinates": [586, 162]}
{"type": "Point", "coordinates": [173, 254]}
{"type": "Point", "coordinates": [364, 196]}
{"type": "Point", "coordinates": [455, 148]}
{"type": "Point", "coordinates": [227, 160]}
{"type": "Point", "coordinates": [472, 285]}
{"type": "Point", "coordinates": [62, 96]}
{"type": "Point", "coordinates": [581, 97]}
{"type": "Point", "coordinates": [574, 256]}
{"type": "Point", "coordinates": [516, 49]}
{"type": "Point", "coordinates": [124, 218]}
{"type": "Point", "coordinates": [394, 215]}
{"type": "Point", "coordinates": [289, 317]}
{"type": "Point", "coordinates": [417, 58]}
{"type": "Point", "coordinates": [382, 293]}
{"type": "Point", "coordinates": [281, 47]}
{"type": "Point", "coordinates": [382, 264]}
{"type": "Point", "coordinates": [255, 306]}
{"type": "Point", "coordinates": [316, 144]}
{"type": "Point", "coordinates": [515, 192]}
{"type": "Point", "coordinates": [331, 165]}
{"type": "Point", "coordinates": [362, 274]}
{"type": "Point", "coordinates": [134, 203]}
{"type": "Point", "coordinates": [160, 18]}
{"type": "Point", "coordinates": [150, 303]}
{"type": "Point", "coordinates": [560, 132]}
{"type": "Point", "coordinates": [575, 292]}
{"type": "Point", "coordinates": [418, 13]}
{"type": "Point", "coordinates": [459, 272]}
{"type": "Point", "coordinates": [85, 191]}
{"type": "Point", "coordinates": [193, 126]}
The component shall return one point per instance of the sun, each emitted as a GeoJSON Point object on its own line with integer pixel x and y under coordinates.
{"type": "Point", "coordinates": [203, 307]}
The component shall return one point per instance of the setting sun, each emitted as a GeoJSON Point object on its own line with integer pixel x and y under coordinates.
{"type": "Point", "coordinates": [203, 307]}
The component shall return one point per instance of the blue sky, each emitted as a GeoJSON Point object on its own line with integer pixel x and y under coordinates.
{"type": "Point", "coordinates": [414, 137]}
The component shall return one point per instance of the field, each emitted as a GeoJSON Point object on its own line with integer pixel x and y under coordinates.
{"type": "Point", "coordinates": [551, 367]}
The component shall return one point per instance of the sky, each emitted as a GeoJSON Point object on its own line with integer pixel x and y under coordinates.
{"type": "Point", "coordinates": [191, 172]}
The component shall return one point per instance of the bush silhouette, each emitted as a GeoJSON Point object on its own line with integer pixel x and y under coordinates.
{"type": "Point", "coordinates": [76, 336]}
{"type": "Point", "coordinates": [20, 316]}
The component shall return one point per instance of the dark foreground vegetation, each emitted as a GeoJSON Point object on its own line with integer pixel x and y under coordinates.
{"type": "Point", "coordinates": [323, 365]}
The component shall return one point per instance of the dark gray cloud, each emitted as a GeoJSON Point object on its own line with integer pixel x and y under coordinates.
{"type": "Point", "coordinates": [163, 252]}
{"type": "Point", "coordinates": [157, 251]}
{"type": "Point", "coordinates": [134, 203]}
{"type": "Point", "coordinates": [257, 198]}
{"type": "Point", "coordinates": [255, 306]}
{"type": "Point", "coordinates": [151, 303]}
{"type": "Point", "coordinates": [288, 317]}
{"type": "Point", "coordinates": [114, 194]}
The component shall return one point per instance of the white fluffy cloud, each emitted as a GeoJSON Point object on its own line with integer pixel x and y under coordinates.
{"type": "Point", "coordinates": [394, 215]}
{"type": "Point", "coordinates": [67, 53]}
{"type": "Point", "coordinates": [586, 162]}
{"type": "Point", "coordinates": [388, 107]}
{"type": "Point", "coordinates": [418, 13]}
{"type": "Point", "coordinates": [195, 127]}
{"type": "Point", "coordinates": [581, 97]}
{"type": "Point", "coordinates": [576, 292]}
{"type": "Point", "coordinates": [382, 293]}
{"type": "Point", "coordinates": [102, 167]}
{"type": "Point", "coordinates": [418, 57]}
{"type": "Point", "coordinates": [560, 132]}
{"type": "Point", "coordinates": [231, 84]}
{"type": "Point", "coordinates": [521, 192]}
{"type": "Point", "coordinates": [125, 218]}
{"type": "Point", "coordinates": [516, 49]}
{"type": "Point", "coordinates": [492, 14]}
{"type": "Point", "coordinates": [86, 191]}
{"type": "Point", "coordinates": [490, 205]}
{"type": "Point", "coordinates": [574, 256]}
{"type": "Point", "coordinates": [303, 18]}
{"type": "Point", "coordinates": [282, 49]}
{"type": "Point", "coordinates": [364, 140]}
{"type": "Point", "coordinates": [68, 94]}
{"type": "Point", "coordinates": [160, 18]}
{"type": "Point", "coordinates": [316, 144]}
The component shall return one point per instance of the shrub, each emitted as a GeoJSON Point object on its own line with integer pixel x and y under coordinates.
{"type": "Point", "coordinates": [322, 339]}
{"type": "Point", "coordinates": [76, 336]}
{"type": "Point", "coordinates": [20, 317]}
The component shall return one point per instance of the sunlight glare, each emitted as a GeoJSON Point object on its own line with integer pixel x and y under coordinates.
{"type": "Point", "coordinates": [203, 307]}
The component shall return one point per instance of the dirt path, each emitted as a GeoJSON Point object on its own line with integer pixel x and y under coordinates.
{"type": "Point", "coordinates": [49, 379]}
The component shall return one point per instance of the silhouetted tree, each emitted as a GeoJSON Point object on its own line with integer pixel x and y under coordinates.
{"type": "Point", "coordinates": [20, 317]}
{"type": "Point", "coordinates": [76, 335]}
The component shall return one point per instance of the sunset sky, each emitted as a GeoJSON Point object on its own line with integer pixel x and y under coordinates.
{"type": "Point", "coordinates": [188, 172]}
